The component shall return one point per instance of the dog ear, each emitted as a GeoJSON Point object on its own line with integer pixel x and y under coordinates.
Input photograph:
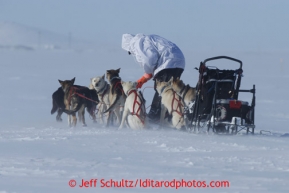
{"type": "Point", "coordinates": [134, 84]}
{"type": "Point", "coordinates": [60, 81]}
{"type": "Point", "coordinates": [72, 80]}
{"type": "Point", "coordinates": [107, 73]}
{"type": "Point", "coordinates": [171, 80]}
{"type": "Point", "coordinates": [103, 76]}
{"type": "Point", "coordinates": [157, 81]}
{"type": "Point", "coordinates": [118, 70]}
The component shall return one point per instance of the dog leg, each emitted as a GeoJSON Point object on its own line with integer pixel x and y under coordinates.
{"type": "Point", "coordinates": [162, 117]}
{"type": "Point", "coordinates": [91, 112]}
{"type": "Point", "coordinates": [58, 116]}
{"type": "Point", "coordinates": [177, 121]}
{"type": "Point", "coordinates": [67, 106]}
{"type": "Point", "coordinates": [74, 120]}
{"type": "Point", "coordinates": [108, 119]}
{"type": "Point", "coordinates": [81, 116]}
{"type": "Point", "coordinates": [124, 116]}
{"type": "Point", "coordinates": [114, 120]}
{"type": "Point", "coordinates": [99, 115]}
{"type": "Point", "coordinates": [104, 116]}
{"type": "Point", "coordinates": [69, 120]}
{"type": "Point", "coordinates": [118, 117]}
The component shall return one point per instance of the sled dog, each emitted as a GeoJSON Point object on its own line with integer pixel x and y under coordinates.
{"type": "Point", "coordinates": [102, 89]}
{"type": "Point", "coordinates": [58, 103]}
{"type": "Point", "coordinates": [76, 99]}
{"type": "Point", "coordinates": [170, 102]}
{"type": "Point", "coordinates": [187, 93]}
{"type": "Point", "coordinates": [134, 113]}
{"type": "Point", "coordinates": [116, 95]}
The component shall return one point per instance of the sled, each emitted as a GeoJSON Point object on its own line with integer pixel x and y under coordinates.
{"type": "Point", "coordinates": [217, 107]}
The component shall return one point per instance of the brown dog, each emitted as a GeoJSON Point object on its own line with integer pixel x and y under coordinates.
{"type": "Point", "coordinates": [76, 99]}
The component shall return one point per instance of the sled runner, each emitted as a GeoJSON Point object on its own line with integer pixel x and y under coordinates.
{"type": "Point", "coordinates": [217, 107]}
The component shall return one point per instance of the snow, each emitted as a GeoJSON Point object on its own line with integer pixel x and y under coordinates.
{"type": "Point", "coordinates": [39, 154]}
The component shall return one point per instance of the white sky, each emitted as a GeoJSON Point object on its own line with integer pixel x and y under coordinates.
{"type": "Point", "coordinates": [224, 24]}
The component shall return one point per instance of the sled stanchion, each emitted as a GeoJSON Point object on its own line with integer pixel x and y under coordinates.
{"type": "Point", "coordinates": [254, 104]}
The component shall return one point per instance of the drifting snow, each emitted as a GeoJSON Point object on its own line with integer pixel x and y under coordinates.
{"type": "Point", "coordinates": [40, 155]}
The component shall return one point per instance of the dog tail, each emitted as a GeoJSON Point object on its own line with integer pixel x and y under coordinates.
{"type": "Point", "coordinates": [57, 100]}
{"type": "Point", "coordinates": [112, 106]}
{"type": "Point", "coordinates": [54, 107]}
{"type": "Point", "coordinates": [70, 112]}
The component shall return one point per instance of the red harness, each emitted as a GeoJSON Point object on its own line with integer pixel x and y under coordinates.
{"type": "Point", "coordinates": [179, 106]}
{"type": "Point", "coordinates": [72, 91]}
{"type": "Point", "coordinates": [137, 113]}
{"type": "Point", "coordinates": [118, 86]}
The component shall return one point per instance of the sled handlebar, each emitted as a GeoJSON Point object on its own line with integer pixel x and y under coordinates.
{"type": "Point", "coordinates": [224, 57]}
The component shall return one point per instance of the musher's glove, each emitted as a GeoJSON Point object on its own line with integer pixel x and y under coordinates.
{"type": "Point", "coordinates": [143, 80]}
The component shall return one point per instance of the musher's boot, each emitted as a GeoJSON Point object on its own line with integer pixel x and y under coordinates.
{"type": "Point", "coordinates": [154, 114]}
{"type": "Point", "coordinates": [155, 111]}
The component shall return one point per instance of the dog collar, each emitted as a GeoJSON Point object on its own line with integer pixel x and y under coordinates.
{"type": "Point", "coordinates": [162, 90]}
{"type": "Point", "coordinates": [116, 77]}
{"type": "Point", "coordinates": [103, 89]}
{"type": "Point", "coordinates": [130, 91]}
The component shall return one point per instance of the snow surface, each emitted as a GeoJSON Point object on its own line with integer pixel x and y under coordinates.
{"type": "Point", "coordinates": [39, 154]}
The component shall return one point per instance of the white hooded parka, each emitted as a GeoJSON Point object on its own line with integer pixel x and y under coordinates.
{"type": "Point", "coordinates": [153, 52]}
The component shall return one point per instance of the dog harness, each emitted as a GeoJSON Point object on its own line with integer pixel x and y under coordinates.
{"type": "Point", "coordinates": [175, 98]}
{"type": "Point", "coordinates": [140, 104]}
{"type": "Point", "coordinates": [72, 91]}
{"type": "Point", "coordinates": [117, 85]}
{"type": "Point", "coordinates": [184, 90]}
{"type": "Point", "coordinates": [179, 104]}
